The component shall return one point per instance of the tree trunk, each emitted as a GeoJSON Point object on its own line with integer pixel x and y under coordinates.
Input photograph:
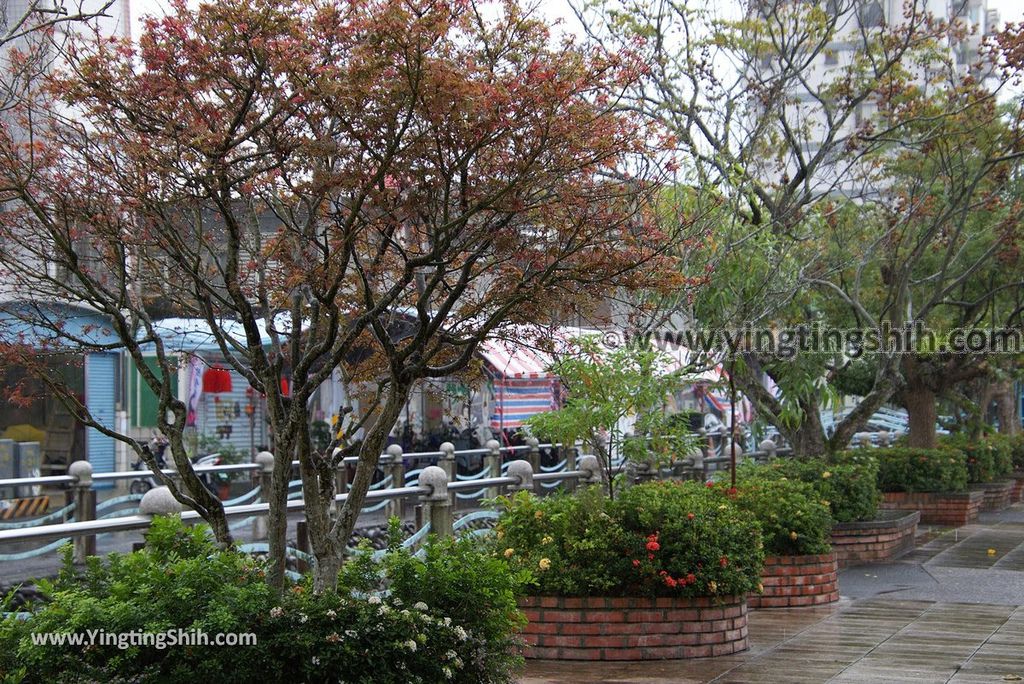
{"type": "Point", "coordinates": [329, 549]}
{"type": "Point", "coordinates": [1006, 408]}
{"type": "Point", "coordinates": [881, 391]}
{"type": "Point", "coordinates": [277, 519]}
{"type": "Point", "coordinates": [807, 438]}
{"type": "Point", "coordinates": [922, 412]}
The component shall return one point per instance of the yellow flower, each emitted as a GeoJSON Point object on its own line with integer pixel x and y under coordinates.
{"type": "Point", "coordinates": [760, 588]}
{"type": "Point", "coordinates": [722, 507]}
{"type": "Point", "coordinates": [538, 515]}
{"type": "Point", "coordinates": [544, 563]}
{"type": "Point", "coordinates": [825, 475]}
{"type": "Point", "coordinates": [712, 586]}
{"type": "Point", "coordinates": [546, 540]}
{"type": "Point", "coordinates": [509, 552]}
{"type": "Point", "coordinates": [825, 502]}
{"type": "Point", "coordinates": [500, 534]}
{"type": "Point", "coordinates": [793, 535]}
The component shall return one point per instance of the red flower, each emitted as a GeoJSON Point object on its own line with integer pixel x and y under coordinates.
{"type": "Point", "coordinates": [663, 573]}
{"type": "Point", "coordinates": [691, 578]}
{"type": "Point", "coordinates": [731, 491]}
{"type": "Point", "coordinates": [653, 546]}
{"type": "Point", "coordinates": [690, 516]}
{"type": "Point", "coordinates": [650, 556]}
{"type": "Point", "coordinates": [710, 485]}
{"type": "Point", "coordinates": [636, 563]}
{"type": "Point", "coordinates": [723, 561]}
{"type": "Point", "coordinates": [670, 582]}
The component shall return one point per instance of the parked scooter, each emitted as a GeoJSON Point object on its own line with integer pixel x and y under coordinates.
{"type": "Point", "coordinates": [157, 446]}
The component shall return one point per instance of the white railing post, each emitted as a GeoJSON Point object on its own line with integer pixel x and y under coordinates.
{"type": "Point", "coordinates": [447, 460]}
{"type": "Point", "coordinates": [396, 469]}
{"type": "Point", "coordinates": [436, 501]}
{"type": "Point", "coordinates": [265, 460]}
{"type": "Point", "coordinates": [492, 463]}
{"type": "Point", "coordinates": [85, 507]}
{"type": "Point", "coordinates": [523, 471]}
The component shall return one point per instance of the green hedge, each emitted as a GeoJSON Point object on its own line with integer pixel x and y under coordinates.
{"type": "Point", "coordinates": [907, 469]}
{"type": "Point", "coordinates": [989, 458]}
{"type": "Point", "coordinates": [656, 539]}
{"type": "Point", "coordinates": [794, 519]}
{"type": "Point", "coordinates": [1017, 451]}
{"type": "Point", "coordinates": [848, 482]}
{"type": "Point", "coordinates": [449, 617]}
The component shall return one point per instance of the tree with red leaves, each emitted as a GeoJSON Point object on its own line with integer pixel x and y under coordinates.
{"type": "Point", "coordinates": [378, 185]}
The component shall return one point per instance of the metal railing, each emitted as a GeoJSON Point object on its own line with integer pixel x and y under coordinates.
{"type": "Point", "coordinates": [433, 490]}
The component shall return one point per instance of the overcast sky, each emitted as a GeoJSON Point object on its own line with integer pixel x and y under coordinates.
{"type": "Point", "coordinates": [1009, 10]}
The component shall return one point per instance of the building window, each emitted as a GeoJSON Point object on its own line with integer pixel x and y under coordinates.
{"type": "Point", "coordinates": [871, 14]}
{"type": "Point", "coordinates": [831, 57]}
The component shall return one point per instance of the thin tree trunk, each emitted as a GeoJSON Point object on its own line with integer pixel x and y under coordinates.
{"type": "Point", "coordinates": [922, 411]}
{"type": "Point", "coordinates": [1007, 408]}
{"type": "Point", "coordinates": [277, 519]}
{"type": "Point", "coordinates": [333, 548]}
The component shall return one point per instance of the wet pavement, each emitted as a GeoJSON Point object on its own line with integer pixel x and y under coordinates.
{"type": "Point", "coordinates": [950, 611]}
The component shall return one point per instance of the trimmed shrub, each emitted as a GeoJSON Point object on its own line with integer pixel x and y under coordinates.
{"type": "Point", "coordinates": [656, 539]}
{"type": "Point", "coordinates": [1017, 451]}
{"type": "Point", "coordinates": [181, 581]}
{"type": "Point", "coordinates": [989, 458]}
{"type": "Point", "coordinates": [848, 481]}
{"type": "Point", "coordinates": [907, 469]}
{"type": "Point", "coordinates": [794, 520]}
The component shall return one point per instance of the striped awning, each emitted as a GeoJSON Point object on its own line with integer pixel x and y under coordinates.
{"type": "Point", "coordinates": [512, 360]}
{"type": "Point", "coordinates": [518, 399]}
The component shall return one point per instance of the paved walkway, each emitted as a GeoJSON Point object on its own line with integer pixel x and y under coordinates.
{"type": "Point", "coordinates": [950, 611]}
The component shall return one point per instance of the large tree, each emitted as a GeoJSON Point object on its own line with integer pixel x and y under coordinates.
{"type": "Point", "coordinates": [376, 185]}
{"type": "Point", "coordinates": [794, 141]}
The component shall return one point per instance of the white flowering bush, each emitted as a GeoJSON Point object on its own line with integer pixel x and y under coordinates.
{"type": "Point", "coordinates": [339, 638]}
{"type": "Point", "coordinates": [451, 617]}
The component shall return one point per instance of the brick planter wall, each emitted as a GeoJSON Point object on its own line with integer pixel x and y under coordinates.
{"type": "Point", "coordinates": [791, 581]}
{"type": "Point", "coordinates": [889, 537]}
{"type": "Point", "coordinates": [997, 494]}
{"type": "Point", "coordinates": [597, 628]}
{"type": "Point", "coordinates": [937, 508]}
{"type": "Point", "coordinates": [1018, 487]}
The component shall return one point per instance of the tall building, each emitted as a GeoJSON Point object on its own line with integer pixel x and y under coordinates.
{"type": "Point", "coordinates": [813, 110]}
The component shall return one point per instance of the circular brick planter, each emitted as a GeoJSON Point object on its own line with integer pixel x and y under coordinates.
{"type": "Point", "coordinates": [937, 508]}
{"type": "Point", "coordinates": [1018, 486]}
{"type": "Point", "coordinates": [998, 495]}
{"type": "Point", "coordinates": [597, 628]}
{"type": "Point", "coordinates": [791, 581]}
{"type": "Point", "coordinates": [869, 541]}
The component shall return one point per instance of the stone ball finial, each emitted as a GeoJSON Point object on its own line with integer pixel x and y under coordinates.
{"type": "Point", "coordinates": [159, 501]}
{"type": "Point", "coordinates": [448, 449]}
{"type": "Point", "coordinates": [590, 466]}
{"type": "Point", "coordinates": [523, 471]}
{"type": "Point", "coordinates": [494, 445]}
{"type": "Point", "coordinates": [533, 443]}
{"type": "Point", "coordinates": [82, 472]}
{"type": "Point", "coordinates": [265, 459]}
{"type": "Point", "coordinates": [436, 480]}
{"type": "Point", "coordinates": [394, 452]}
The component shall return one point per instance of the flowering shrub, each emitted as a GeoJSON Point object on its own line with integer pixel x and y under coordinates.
{"type": "Point", "coordinates": [794, 520]}
{"type": "Point", "coordinates": [657, 539]}
{"type": "Point", "coordinates": [848, 481]}
{"type": "Point", "coordinates": [1017, 451]}
{"type": "Point", "coordinates": [989, 458]}
{"type": "Point", "coordinates": [461, 632]}
{"type": "Point", "coordinates": [906, 469]}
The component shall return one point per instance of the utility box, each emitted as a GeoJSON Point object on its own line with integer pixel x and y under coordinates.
{"type": "Point", "coordinates": [28, 457]}
{"type": "Point", "coordinates": [8, 466]}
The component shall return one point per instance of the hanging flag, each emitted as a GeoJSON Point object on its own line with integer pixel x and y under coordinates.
{"type": "Point", "coordinates": [195, 389]}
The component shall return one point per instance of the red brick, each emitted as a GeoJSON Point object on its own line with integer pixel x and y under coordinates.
{"type": "Point", "coordinates": [563, 616]}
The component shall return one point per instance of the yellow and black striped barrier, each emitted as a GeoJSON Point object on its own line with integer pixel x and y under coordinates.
{"type": "Point", "coordinates": [24, 508]}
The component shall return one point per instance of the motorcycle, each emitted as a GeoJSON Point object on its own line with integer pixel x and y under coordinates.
{"type": "Point", "coordinates": [157, 447]}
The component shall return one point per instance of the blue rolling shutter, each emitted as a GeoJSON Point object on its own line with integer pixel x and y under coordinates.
{"type": "Point", "coordinates": [100, 396]}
